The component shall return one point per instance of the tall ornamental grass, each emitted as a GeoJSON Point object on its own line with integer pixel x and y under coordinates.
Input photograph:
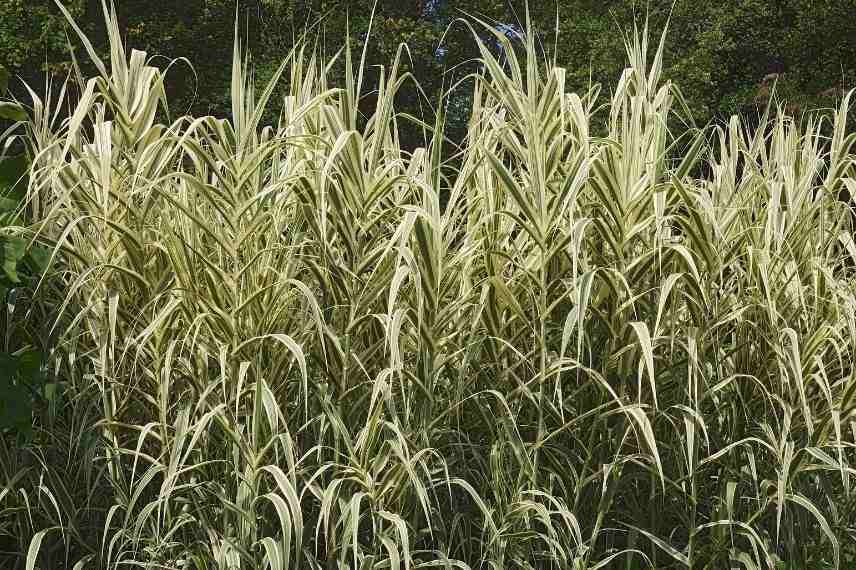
{"type": "Point", "coordinates": [557, 346]}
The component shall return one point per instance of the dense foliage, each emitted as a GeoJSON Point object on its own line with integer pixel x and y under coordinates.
{"type": "Point", "coordinates": [21, 378]}
{"type": "Point", "coordinates": [278, 347]}
{"type": "Point", "coordinates": [726, 55]}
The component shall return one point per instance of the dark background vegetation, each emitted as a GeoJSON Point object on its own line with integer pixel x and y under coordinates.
{"type": "Point", "coordinates": [722, 54]}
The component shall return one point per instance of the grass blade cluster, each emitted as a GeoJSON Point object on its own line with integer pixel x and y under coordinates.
{"type": "Point", "coordinates": [582, 342]}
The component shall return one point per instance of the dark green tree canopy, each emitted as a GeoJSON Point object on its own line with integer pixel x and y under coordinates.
{"type": "Point", "coordinates": [724, 55]}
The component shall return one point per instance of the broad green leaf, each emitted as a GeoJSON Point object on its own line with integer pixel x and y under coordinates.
{"type": "Point", "coordinates": [38, 259]}
{"type": "Point", "coordinates": [12, 111]}
{"type": "Point", "coordinates": [12, 250]}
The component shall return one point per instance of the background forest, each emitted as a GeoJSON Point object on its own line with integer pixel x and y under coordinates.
{"type": "Point", "coordinates": [725, 55]}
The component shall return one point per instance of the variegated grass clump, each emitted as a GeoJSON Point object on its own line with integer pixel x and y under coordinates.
{"type": "Point", "coordinates": [298, 346]}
